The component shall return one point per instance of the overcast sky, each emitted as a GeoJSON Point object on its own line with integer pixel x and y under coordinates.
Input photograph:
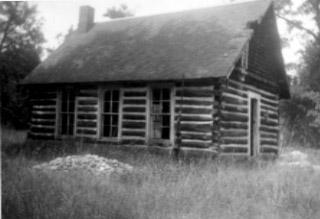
{"type": "Point", "coordinates": [59, 16]}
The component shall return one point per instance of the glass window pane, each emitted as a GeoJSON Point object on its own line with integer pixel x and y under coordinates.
{"type": "Point", "coordinates": [107, 120]}
{"type": "Point", "coordinates": [106, 108]}
{"type": "Point", "coordinates": [156, 95]}
{"type": "Point", "coordinates": [166, 107]}
{"type": "Point", "coordinates": [64, 123]}
{"type": "Point", "coordinates": [166, 121]}
{"type": "Point", "coordinates": [156, 130]}
{"type": "Point", "coordinates": [166, 94]}
{"type": "Point", "coordinates": [71, 120]}
{"type": "Point", "coordinates": [106, 131]}
{"type": "Point", "coordinates": [64, 95]}
{"type": "Point", "coordinates": [116, 95]}
{"type": "Point", "coordinates": [165, 133]}
{"type": "Point", "coordinates": [115, 120]}
{"type": "Point", "coordinates": [115, 107]}
{"type": "Point", "coordinates": [156, 107]}
{"type": "Point", "coordinates": [114, 131]}
{"type": "Point", "coordinates": [64, 106]}
{"type": "Point", "coordinates": [71, 107]}
{"type": "Point", "coordinates": [107, 95]}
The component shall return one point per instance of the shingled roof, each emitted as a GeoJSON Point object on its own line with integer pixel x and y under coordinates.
{"type": "Point", "coordinates": [201, 43]}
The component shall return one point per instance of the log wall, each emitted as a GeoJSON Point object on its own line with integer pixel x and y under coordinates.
{"type": "Point", "coordinates": [197, 110]}
{"type": "Point", "coordinates": [235, 133]}
{"type": "Point", "coordinates": [44, 114]}
{"type": "Point", "coordinates": [87, 113]}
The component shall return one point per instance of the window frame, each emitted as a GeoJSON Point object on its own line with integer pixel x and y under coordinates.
{"type": "Point", "coordinates": [172, 113]}
{"type": "Point", "coordinates": [60, 113]}
{"type": "Point", "coordinates": [101, 113]}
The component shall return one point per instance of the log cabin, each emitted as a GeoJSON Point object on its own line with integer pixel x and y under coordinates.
{"type": "Point", "coordinates": [207, 79]}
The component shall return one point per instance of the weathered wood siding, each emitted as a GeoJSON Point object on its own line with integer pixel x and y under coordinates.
{"type": "Point", "coordinates": [197, 111]}
{"type": "Point", "coordinates": [87, 113]}
{"type": "Point", "coordinates": [134, 115]}
{"type": "Point", "coordinates": [235, 132]}
{"type": "Point", "coordinates": [44, 113]}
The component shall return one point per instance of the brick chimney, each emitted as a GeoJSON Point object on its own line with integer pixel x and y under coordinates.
{"type": "Point", "coordinates": [86, 19]}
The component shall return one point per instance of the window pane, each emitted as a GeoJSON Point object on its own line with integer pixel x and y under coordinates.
{"type": "Point", "coordinates": [71, 120]}
{"type": "Point", "coordinates": [156, 107]}
{"type": "Point", "coordinates": [166, 121]}
{"type": "Point", "coordinates": [107, 120]}
{"type": "Point", "coordinates": [64, 106]}
{"type": "Point", "coordinates": [115, 120]}
{"type": "Point", "coordinates": [107, 95]}
{"type": "Point", "coordinates": [116, 95]}
{"type": "Point", "coordinates": [115, 107]}
{"type": "Point", "coordinates": [166, 94]}
{"type": "Point", "coordinates": [156, 130]}
{"type": "Point", "coordinates": [64, 124]}
{"type": "Point", "coordinates": [114, 132]}
{"type": "Point", "coordinates": [166, 107]}
{"type": "Point", "coordinates": [64, 95]}
{"type": "Point", "coordinates": [106, 108]}
{"type": "Point", "coordinates": [165, 133]}
{"type": "Point", "coordinates": [106, 131]}
{"type": "Point", "coordinates": [71, 106]}
{"type": "Point", "coordinates": [156, 95]}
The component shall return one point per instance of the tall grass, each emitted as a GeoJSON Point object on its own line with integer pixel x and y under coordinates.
{"type": "Point", "coordinates": [161, 188]}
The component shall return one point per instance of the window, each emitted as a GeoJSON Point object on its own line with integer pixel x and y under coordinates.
{"type": "Point", "coordinates": [160, 113]}
{"type": "Point", "coordinates": [67, 111]}
{"type": "Point", "coordinates": [110, 113]}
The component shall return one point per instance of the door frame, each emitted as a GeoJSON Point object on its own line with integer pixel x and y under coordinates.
{"type": "Point", "coordinates": [251, 96]}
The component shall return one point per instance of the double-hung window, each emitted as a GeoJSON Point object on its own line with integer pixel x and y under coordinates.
{"type": "Point", "coordinates": [110, 113]}
{"type": "Point", "coordinates": [67, 111]}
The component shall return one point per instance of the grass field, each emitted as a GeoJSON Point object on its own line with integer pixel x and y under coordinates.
{"type": "Point", "coordinates": [157, 188]}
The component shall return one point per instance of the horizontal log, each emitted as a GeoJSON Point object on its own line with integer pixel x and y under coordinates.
{"type": "Point", "coordinates": [89, 124]}
{"type": "Point", "coordinates": [42, 130]}
{"type": "Point", "coordinates": [88, 102]}
{"type": "Point", "coordinates": [195, 93]}
{"type": "Point", "coordinates": [236, 92]}
{"type": "Point", "coordinates": [87, 109]}
{"type": "Point", "coordinates": [44, 102]}
{"type": "Point", "coordinates": [134, 93]}
{"type": "Point", "coordinates": [232, 100]}
{"type": "Point", "coordinates": [134, 133]}
{"type": "Point", "coordinates": [194, 118]}
{"type": "Point", "coordinates": [133, 141]}
{"type": "Point", "coordinates": [268, 122]}
{"type": "Point", "coordinates": [269, 103]}
{"type": "Point", "coordinates": [269, 149]}
{"type": "Point", "coordinates": [133, 125]}
{"type": "Point", "coordinates": [268, 135]}
{"type": "Point", "coordinates": [196, 128]}
{"type": "Point", "coordinates": [234, 133]}
{"type": "Point", "coordinates": [268, 142]}
{"type": "Point", "coordinates": [269, 109]}
{"type": "Point", "coordinates": [43, 122]}
{"type": "Point", "coordinates": [43, 116]}
{"type": "Point", "coordinates": [228, 117]}
{"type": "Point", "coordinates": [226, 140]}
{"type": "Point", "coordinates": [41, 136]}
{"type": "Point", "coordinates": [134, 109]}
{"type": "Point", "coordinates": [39, 107]}
{"type": "Point", "coordinates": [233, 125]}
{"type": "Point", "coordinates": [269, 129]}
{"type": "Point", "coordinates": [196, 144]}
{"type": "Point", "coordinates": [193, 102]}
{"type": "Point", "coordinates": [190, 110]}
{"type": "Point", "coordinates": [231, 149]}
{"type": "Point", "coordinates": [134, 101]}
{"type": "Point", "coordinates": [134, 117]}
{"type": "Point", "coordinates": [44, 110]}
{"type": "Point", "coordinates": [234, 108]}
{"type": "Point", "coordinates": [196, 136]}
{"type": "Point", "coordinates": [87, 116]}
{"type": "Point", "coordinates": [86, 131]}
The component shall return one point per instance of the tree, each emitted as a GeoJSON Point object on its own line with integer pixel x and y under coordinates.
{"type": "Point", "coordinates": [119, 12]}
{"type": "Point", "coordinates": [20, 47]}
{"type": "Point", "coordinates": [304, 104]}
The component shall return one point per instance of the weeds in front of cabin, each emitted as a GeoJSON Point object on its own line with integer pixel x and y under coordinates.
{"type": "Point", "coordinates": [160, 188]}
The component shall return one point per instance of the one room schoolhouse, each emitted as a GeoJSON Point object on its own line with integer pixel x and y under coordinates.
{"type": "Point", "coordinates": [206, 79]}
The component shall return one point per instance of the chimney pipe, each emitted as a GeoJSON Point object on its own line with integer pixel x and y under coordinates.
{"type": "Point", "coordinates": [86, 19]}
